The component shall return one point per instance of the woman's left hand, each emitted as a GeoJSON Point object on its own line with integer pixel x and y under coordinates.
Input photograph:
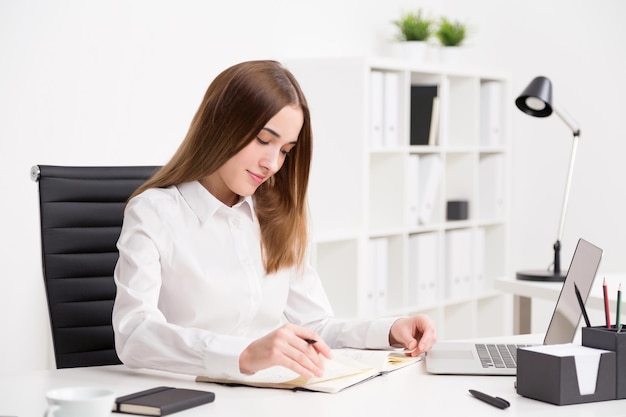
{"type": "Point", "coordinates": [415, 334]}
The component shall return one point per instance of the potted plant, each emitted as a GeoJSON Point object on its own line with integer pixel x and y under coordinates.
{"type": "Point", "coordinates": [414, 30]}
{"type": "Point", "coordinates": [414, 27]}
{"type": "Point", "coordinates": [450, 33]}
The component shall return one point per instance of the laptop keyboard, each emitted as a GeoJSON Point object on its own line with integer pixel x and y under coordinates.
{"type": "Point", "coordinates": [497, 355]}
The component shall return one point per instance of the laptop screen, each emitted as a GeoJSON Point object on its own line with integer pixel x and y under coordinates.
{"type": "Point", "coordinates": [567, 312]}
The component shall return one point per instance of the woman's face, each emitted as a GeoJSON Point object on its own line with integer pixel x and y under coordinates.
{"type": "Point", "coordinates": [242, 174]}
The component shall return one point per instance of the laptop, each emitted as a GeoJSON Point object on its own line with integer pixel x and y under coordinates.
{"type": "Point", "coordinates": [471, 358]}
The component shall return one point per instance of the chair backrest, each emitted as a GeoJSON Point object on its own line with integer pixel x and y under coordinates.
{"type": "Point", "coordinates": [81, 211]}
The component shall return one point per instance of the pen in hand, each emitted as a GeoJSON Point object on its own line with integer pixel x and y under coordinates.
{"type": "Point", "coordinates": [501, 403]}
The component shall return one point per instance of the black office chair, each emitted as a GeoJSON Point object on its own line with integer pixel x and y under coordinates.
{"type": "Point", "coordinates": [81, 210]}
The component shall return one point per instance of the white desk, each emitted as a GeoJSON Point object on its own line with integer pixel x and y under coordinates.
{"type": "Point", "coordinates": [524, 291]}
{"type": "Point", "coordinates": [408, 391]}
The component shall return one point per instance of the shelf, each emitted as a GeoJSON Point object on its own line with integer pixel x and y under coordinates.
{"type": "Point", "coordinates": [380, 184]}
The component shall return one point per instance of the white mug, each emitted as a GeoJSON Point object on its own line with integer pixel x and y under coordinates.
{"type": "Point", "coordinates": [79, 402]}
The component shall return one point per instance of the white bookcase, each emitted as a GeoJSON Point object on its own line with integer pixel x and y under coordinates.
{"type": "Point", "coordinates": [383, 241]}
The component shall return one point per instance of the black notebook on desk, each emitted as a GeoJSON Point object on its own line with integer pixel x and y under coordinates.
{"type": "Point", "coordinates": [161, 401]}
{"type": "Point", "coordinates": [465, 357]}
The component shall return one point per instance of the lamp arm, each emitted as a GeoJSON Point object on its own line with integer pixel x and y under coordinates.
{"type": "Point", "coordinates": [569, 121]}
{"type": "Point", "coordinates": [557, 244]}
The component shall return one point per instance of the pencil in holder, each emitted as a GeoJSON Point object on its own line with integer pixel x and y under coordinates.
{"type": "Point", "coordinates": [602, 337]}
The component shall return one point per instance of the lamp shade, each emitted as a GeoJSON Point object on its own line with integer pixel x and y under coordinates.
{"type": "Point", "coordinates": [536, 99]}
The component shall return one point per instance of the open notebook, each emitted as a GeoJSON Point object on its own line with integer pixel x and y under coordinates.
{"type": "Point", "coordinates": [465, 357]}
{"type": "Point", "coordinates": [347, 368]}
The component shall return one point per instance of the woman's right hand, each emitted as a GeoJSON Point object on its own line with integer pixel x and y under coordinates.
{"type": "Point", "coordinates": [289, 346]}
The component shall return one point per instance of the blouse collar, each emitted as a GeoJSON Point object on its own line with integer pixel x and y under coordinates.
{"type": "Point", "coordinates": [205, 205]}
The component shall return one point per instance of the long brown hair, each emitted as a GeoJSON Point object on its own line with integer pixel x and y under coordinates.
{"type": "Point", "coordinates": [236, 106]}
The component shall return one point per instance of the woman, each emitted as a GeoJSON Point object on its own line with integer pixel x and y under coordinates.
{"type": "Point", "coordinates": [213, 277]}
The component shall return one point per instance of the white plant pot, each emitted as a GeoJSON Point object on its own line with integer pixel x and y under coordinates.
{"type": "Point", "coordinates": [450, 55]}
{"type": "Point", "coordinates": [414, 51]}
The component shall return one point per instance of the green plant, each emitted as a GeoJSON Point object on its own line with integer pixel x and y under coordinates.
{"type": "Point", "coordinates": [450, 33]}
{"type": "Point", "coordinates": [414, 27]}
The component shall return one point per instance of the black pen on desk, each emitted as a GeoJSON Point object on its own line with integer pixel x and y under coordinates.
{"type": "Point", "coordinates": [582, 305]}
{"type": "Point", "coordinates": [495, 401]}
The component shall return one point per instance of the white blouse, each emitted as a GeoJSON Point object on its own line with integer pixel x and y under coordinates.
{"type": "Point", "coordinates": [192, 293]}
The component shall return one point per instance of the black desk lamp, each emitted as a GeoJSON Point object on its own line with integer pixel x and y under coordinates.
{"type": "Point", "coordinates": [536, 100]}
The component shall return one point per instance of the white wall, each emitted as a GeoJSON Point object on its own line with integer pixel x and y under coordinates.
{"type": "Point", "coordinates": [116, 82]}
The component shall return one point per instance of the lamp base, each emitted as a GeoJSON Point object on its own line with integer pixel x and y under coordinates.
{"type": "Point", "coordinates": [541, 275]}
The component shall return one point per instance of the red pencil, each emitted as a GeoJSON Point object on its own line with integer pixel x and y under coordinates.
{"type": "Point", "coordinates": [607, 311]}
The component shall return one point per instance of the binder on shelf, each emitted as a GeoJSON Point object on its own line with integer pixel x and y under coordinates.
{"type": "Point", "coordinates": [423, 101]}
{"type": "Point", "coordinates": [433, 134]}
{"type": "Point", "coordinates": [431, 170]}
{"type": "Point", "coordinates": [413, 188]}
{"type": "Point", "coordinates": [491, 113]}
{"type": "Point", "coordinates": [491, 187]}
{"type": "Point", "coordinates": [366, 291]}
{"type": "Point", "coordinates": [422, 269]}
{"type": "Point", "coordinates": [458, 263]}
{"type": "Point", "coordinates": [391, 118]}
{"type": "Point", "coordinates": [382, 275]}
{"type": "Point", "coordinates": [374, 292]}
{"type": "Point", "coordinates": [376, 109]}
{"type": "Point", "coordinates": [480, 275]}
